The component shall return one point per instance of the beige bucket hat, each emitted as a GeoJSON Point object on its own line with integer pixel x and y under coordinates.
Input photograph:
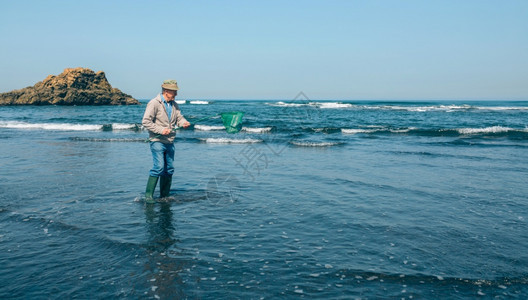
{"type": "Point", "coordinates": [170, 84]}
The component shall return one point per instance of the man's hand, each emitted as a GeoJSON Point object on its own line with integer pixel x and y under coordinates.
{"type": "Point", "coordinates": [166, 131]}
{"type": "Point", "coordinates": [186, 124]}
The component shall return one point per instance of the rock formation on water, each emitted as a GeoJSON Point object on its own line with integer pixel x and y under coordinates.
{"type": "Point", "coordinates": [76, 86]}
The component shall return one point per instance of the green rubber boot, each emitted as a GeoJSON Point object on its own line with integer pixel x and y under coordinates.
{"type": "Point", "coordinates": [151, 186]}
{"type": "Point", "coordinates": [165, 185]}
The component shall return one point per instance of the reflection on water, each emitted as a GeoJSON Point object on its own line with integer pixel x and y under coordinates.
{"type": "Point", "coordinates": [160, 227]}
{"type": "Point", "coordinates": [163, 263]}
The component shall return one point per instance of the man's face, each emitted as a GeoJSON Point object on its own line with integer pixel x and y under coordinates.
{"type": "Point", "coordinates": [169, 94]}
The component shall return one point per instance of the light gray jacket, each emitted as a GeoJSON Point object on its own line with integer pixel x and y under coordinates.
{"type": "Point", "coordinates": [156, 119]}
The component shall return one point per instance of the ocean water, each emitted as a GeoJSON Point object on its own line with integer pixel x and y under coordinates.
{"type": "Point", "coordinates": [312, 199]}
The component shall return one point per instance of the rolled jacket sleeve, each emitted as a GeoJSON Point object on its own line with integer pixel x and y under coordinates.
{"type": "Point", "coordinates": [180, 120]}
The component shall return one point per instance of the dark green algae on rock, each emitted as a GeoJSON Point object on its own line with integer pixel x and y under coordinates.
{"type": "Point", "coordinates": [74, 86]}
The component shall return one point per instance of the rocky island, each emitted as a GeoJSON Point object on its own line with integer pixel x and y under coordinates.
{"type": "Point", "coordinates": [75, 86]}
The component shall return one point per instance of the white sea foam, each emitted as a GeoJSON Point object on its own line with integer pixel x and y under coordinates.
{"type": "Point", "coordinates": [446, 108]}
{"type": "Point", "coordinates": [50, 126]}
{"type": "Point", "coordinates": [180, 101]}
{"type": "Point", "coordinates": [499, 108]}
{"type": "Point", "coordinates": [289, 104]}
{"type": "Point", "coordinates": [441, 108]}
{"type": "Point", "coordinates": [355, 131]}
{"type": "Point", "coordinates": [453, 107]}
{"type": "Point", "coordinates": [208, 128]}
{"type": "Point", "coordinates": [122, 126]}
{"type": "Point", "coordinates": [198, 102]}
{"type": "Point", "coordinates": [417, 108]}
{"type": "Point", "coordinates": [89, 139]}
{"type": "Point", "coordinates": [314, 144]}
{"type": "Point", "coordinates": [493, 129]}
{"type": "Point", "coordinates": [402, 130]}
{"type": "Point", "coordinates": [331, 104]}
{"type": "Point", "coordinates": [230, 141]}
{"type": "Point", "coordinates": [312, 104]}
{"type": "Point", "coordinates": [256, 130]}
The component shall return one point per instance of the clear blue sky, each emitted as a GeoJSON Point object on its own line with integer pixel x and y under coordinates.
{"type": "Point", "coordinates": [356, 50]}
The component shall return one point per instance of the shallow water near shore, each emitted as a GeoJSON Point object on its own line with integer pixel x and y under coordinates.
{"type": "Point", "coordinates": [313, 199]}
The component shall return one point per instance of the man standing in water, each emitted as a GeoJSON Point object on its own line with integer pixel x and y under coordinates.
{"type": "Point", "coordinates": [161, 116]}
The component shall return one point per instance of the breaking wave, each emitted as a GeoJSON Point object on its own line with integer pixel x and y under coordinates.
{"type": "Point", "coordinates": [256, 130]}
{"type": "Point", "coordinates": [229, 141]}
{"type": "Point", "coordinates": [208, 128]}
{"type": "Point", "coordinates": [124, 126]}
{"type": "Point", "coordinates": [287, 104]}
{"type": "Point", "coordinates": [312, 104]}
{"type": "Point", "coordinates": [314, 144]}
{"type": "Point", "coordinates": [116, 140]}
{"type": "Point", "coordinates": [396, 107]}
{"type": "Point", "coordinates": [51, 126]}
{"type": "Point", "coordinates": [199, 102]}
{"type": "Point", "coordinates": [69, 126]}
{"type": "Point", "coordinates": [442, 108]}
{"type": "Point", "coordinates": [356, 131]}
{"type": "Point", "coordinates": [331, 105]}
{"type": "Point", "coordinates": [493, 129]}
{"type": "Point", "coordinates": [219, 128]}
{"type": "Point", "coordinates": [373, 129]}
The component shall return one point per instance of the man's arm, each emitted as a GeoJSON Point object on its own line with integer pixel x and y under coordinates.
{"type": "Point", "coordinates": [149, 117]}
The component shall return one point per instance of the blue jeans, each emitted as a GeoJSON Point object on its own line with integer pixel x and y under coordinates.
{"type": "Point", "coordinates": [163, 158]}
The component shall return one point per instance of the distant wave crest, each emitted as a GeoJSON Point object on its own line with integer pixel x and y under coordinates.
{"type": "Point", "coordinates": [312, 104]}
{"type": "Point", "coordinates": [198, 102]}
{"type": "Point", "coordinates": [331, 104]}
{"type": "Point", "coordinates": [287, 104]}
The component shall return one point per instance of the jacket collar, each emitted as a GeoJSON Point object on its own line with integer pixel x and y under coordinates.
{"type": "Point", "coordinates": [160, 100]}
